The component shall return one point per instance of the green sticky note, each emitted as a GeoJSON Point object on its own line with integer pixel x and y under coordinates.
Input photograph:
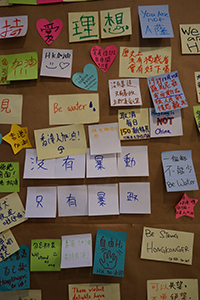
{"type": "Point", "coordinates": [3, 70]}
{"type": "Point", "coordinates": [196, 110]}
{"type": "Point", "coordinates": [28, 2]}
{"type": "Point", "coordinates": [23, 66]}
{"type": "Point", "coordinates": [9, 177]}
{"type": "Point", "coordinates": [45, 255]}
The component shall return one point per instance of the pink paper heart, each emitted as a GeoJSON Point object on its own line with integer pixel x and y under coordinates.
{"type": "Point", "coordinates": [49, 31]}
{"type": "Point", "coordinates": [103, 58]}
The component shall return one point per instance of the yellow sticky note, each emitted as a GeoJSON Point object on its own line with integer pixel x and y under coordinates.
{"type": "Point", "coordinates": [133, 124]}
{"type": "Point", "coordinates": [21, 294]}
{"type": "Point", "coordinates": [144, 62]}
{"type": "Point", "coordinates": [12, 210]}
{"type": "Point", "coordinates": [167, 245]}
{"type": "Point", "coordinates": [8, 245]}
{"type": "Point", "coordinates": [11, 109]}
{"type": "Point", "coordinates": [83, 26]}
{"type": "Point", "coordinates": [94, 291]}
{"type": "Point", "coordinates": [17, 138]}
{"type": "Point", "coordinates": [73, 109]}
{"type": "Point", "coordinates": [22, 66]}
{"type": "Point", "coordinates": [172, 289]}
{"type": "Point", "coordinates": [60, 141]}
{"type": "Point", "coordinates": [110, 20]}
{"type": "Point", "coordinates": [190, 38]}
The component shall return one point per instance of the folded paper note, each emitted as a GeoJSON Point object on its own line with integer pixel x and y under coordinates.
{"type": "Point", "coordinates": [13, 26]}
{"type": "Point", "coordinates": [60, 141]}
{"type": "Point", "coordinates": [166, 92]}
{"type": "Point", "coordinates": [133, 124]}
{"type": "Point", "coordinates": [144, 62]}
{"type": "Point", "coordinates": [167, 245]}
{"type": "Point", "coordinates": [124, 92]}
{"type": "Point", "coordinates": [109, 256]}
{"type": "Point", "coordinates": [155, 21]}
{"type": "Point", "coordinates": [9, 181]}
{"type": "Point", "coordinates": [179, 171]}
{"type": "Point", "coordinates": [165, 124]}
{"type": "Point", "coordinates": [11, 109]}
{"type": "Point", "coordinates": [73, 109]}
{"type": "Point", "coordinates": [56, 63]}
{"type": "Point", "coordinates": [45, 255]}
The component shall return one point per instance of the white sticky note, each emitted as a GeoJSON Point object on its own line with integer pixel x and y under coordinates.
{"type": "Point", "coordinates": [124, 92]}
{"type": "Point", "coordinates": [41, 202]}
{"type": "Point", "coordinates": [71, 166]}
{"type": "Point", "coordinates": [35, 168]}
{"type": "Point", "coordinates": [135, 198]}
{"type": "Point", "coordinates": [56, 63]}
{"type": "Point", "coordinates": [104, 139]}
{"type": "Point", "coordinates": [11, 109]}
{"type": "Point", "coordinates": [101, 165]}
{"type": "Point", "coordinates": [14, 26]}
{"type": "Point", "coordinates": [76, 251]}
{"type": "Point", "coordinates": [72, 200]}
{"type": "Point", "coordinates": [133, 161]}
{"type": "Point", "coordinates": [103, 199]}
{"type": "Point", "coordinates": [165, 124]}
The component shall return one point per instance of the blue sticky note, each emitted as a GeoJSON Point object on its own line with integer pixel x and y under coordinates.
{"type": "Point", "coordinates": [166, 92]}
{"type": "Point", "coordinates": [155, 21]}
{"type": "Point", "coordinates": [0, 138]}
{"type": "Point", "coordinates": [109, 253]}
{"type": "Point", "coordinates": [15, 271]}
{"type": "Point", "coordinates": [179, 171]}
{"type": "Point", "coordinates": [88, 80]}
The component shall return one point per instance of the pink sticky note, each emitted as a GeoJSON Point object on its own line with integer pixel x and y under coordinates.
{"type": "Point", "coordinates": [49, 31]}
{"type": "Point", "coordinates": [185, 207]}
{"type": "Point", "coordinates": [103, 58]}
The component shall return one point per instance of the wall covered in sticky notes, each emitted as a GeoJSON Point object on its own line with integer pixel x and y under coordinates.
{"type": "Point", "coordinates": [77, 66]}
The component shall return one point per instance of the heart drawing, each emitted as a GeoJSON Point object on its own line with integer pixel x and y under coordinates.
{"type": "Point", "coordinates": [88, 80]}
{"type": "Point", "coordinates": [49, 31]}
{"type": "Point", "coordinates": [103, 58]}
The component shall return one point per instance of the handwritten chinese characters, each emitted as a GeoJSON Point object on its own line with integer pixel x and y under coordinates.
{"type": "Point", "coordinates": [60, 141]}
{"type": "Point", "coordinates": [124, 92]}
{"type": "Point", "coordinates": [190, 41]}
{"type": "Point", "coordinates": [88, 80]}
{"type": "Point", "coordinates": [179, 171]}
{"type": "Point", "coordinates": [11, 211]}
{"type": "Point", "coordinates": [185, 207]}
{"type": "Point", "coordinates": [76, 251]}
{"type": "Point", "coordinates": [103, 199]}
{"type": "Point", "coordinates": [9, 177]}
{"type": "Point", "coordinates": [15, 271]}
{"type": "Point", "coordinates": [144, 62]}
{"type": "Point", "coordinates": [17, 138]}
{"type": "Point", "coordinates": [13, 26]}
{"type": "Point", "coordinates": [56, 63]}
{"type": "Point", "coordinates": [167, 245]}
{"type": "Point", "coordinates": [23, 66]}
{"type": "Point", "coordinates": [4, 70]}
{"type": "Point", "coordinates": [133, 124]}
{"type": "Point", "coordinates": [73, 109]}
{"type": "Point", "coordinates": [172, 289]}
{"type": "Point", "coordinates": [197, 83]}
{"type": "Point", "coordinates": [10, 109]}
{"type": "Point", "coordinates": [45, 255]}
{"type": "Point", "coordinates": [41, 202]}
{"type": "Point", "coordinates": [8, 244]}
{"type": "Point", "coordinates": [83, 26]}
{"type": "Point", "coordinates": [166, 92]}
{"type": "Point", "coordinates": [103, 58]}
{"type": "Point", "coordinates": [165, 124]}
{"type": "Point", "coordinates": [196, 110]}
{"type": "Point", "coordinates": [49, 31]}
{"type": "Point", "coordinates": [100, 137]}
{"type": "Point", "coordinates": [155, 21]}
{"type": "Point", "coordinates": [94, 291]}
{"type": "Point", "coordinates": [109, 254]}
